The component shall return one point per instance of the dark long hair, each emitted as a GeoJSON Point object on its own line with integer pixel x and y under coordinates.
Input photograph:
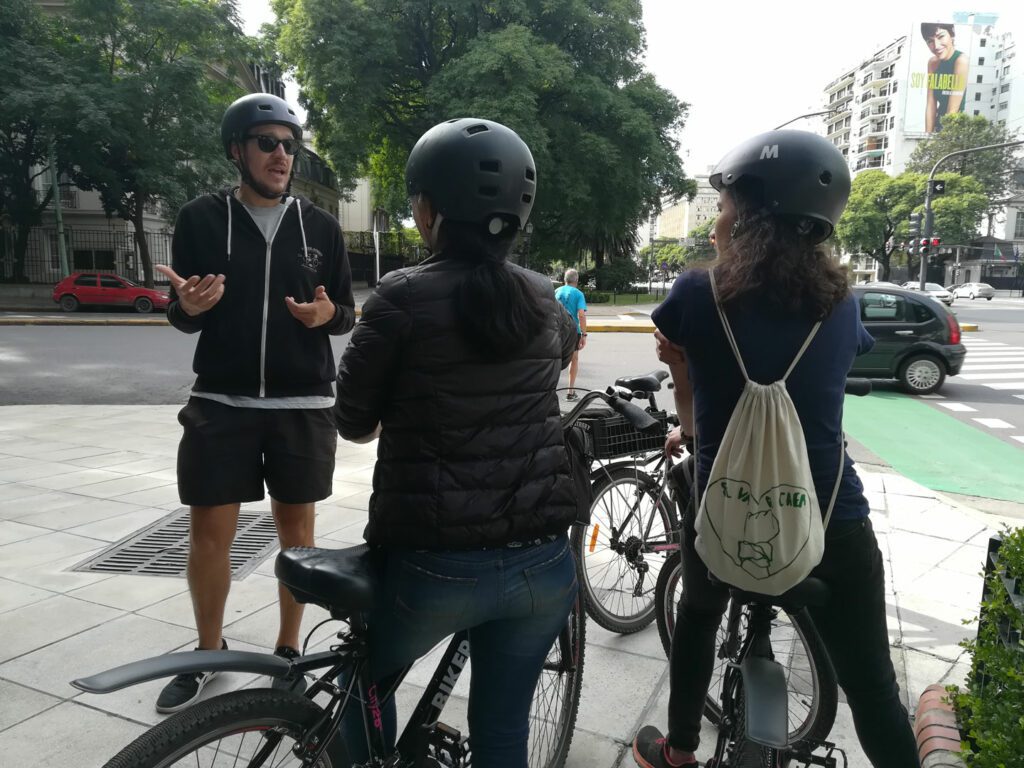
{"type": "Point", "coordinates": [497, 312]}
{"type": "Point", "coordinates": [778, 257]}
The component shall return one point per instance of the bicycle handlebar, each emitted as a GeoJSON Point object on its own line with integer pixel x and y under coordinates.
{"type": "Point", "coordinates": [638, 417]}
{"type": "Point", "coordinates": [858, 387]}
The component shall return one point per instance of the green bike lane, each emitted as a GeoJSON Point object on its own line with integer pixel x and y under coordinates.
{"type": "Point", "coordinates": [934, 448]}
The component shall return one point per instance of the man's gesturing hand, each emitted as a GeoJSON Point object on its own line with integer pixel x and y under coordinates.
{"type": "Point", "coordinates": [312, 313]}
{"type": "Point", "coordinates": [195, 295]}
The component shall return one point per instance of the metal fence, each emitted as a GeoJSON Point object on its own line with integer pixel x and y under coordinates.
{"type": "Point", "coordinates": [94, 250]}
{"type": "Point", "coordinates": [116, 250]}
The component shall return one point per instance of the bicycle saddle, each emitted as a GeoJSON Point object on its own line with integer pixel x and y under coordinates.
{"type": "Point", "coordinates": [809, 592]}
{"type": "Point", "coordinates": [336, 579]}
{"type": "Point", "coordinates": [649, 382]}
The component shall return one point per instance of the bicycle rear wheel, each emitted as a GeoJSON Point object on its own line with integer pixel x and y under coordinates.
{"type": "Point", "coordinates": [229, 730]}
{"type": "Point", "coordinates": [556, 699]}
{"type": "Point", "coordinates": [796, 645]}
{"type": "Point", "coordinates": [621, 552]}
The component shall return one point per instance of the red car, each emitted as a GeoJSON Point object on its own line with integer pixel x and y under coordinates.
{"type": "Point", "coordinates": [90, 288]}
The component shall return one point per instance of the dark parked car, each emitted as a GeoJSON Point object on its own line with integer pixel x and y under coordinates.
{"type": "Point", "coordinates": [90, 288]}
{"type": "Point", "coordinates": [917, 340]}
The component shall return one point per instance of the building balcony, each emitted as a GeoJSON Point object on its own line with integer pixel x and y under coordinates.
{"type": "Point", "coordinates": [840, 83]}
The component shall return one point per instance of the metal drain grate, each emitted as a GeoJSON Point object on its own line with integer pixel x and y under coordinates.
{"type": "Point", "coordinates": [161, 549]}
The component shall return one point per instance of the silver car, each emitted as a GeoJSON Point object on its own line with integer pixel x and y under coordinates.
{"type": "Point", "coordinates": [975, 291]}
{"type": "Point", "coordinates": [933, 289]}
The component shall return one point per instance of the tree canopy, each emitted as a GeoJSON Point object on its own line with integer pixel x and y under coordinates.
{"type": "Point", "coordinates": [876, 219]}
{"type": "Point", "coordinates": [567, 76]}
{"type": "Point", "coordinates": [162, 69]}
{"type": "Point", "coordinates": [992, 169]}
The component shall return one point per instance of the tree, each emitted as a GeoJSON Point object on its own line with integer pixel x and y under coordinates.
{"type": "Point", "coordinates": [702, 249]}
{"type": "Point", "coordinates": [877, 209]}
{"type": "Point", "coordinates": [43, 107]}
{"type": "Point", "coordinates": [153, 61]}
{"type": "Point", "coordinates": [876, 219]}
{"type": "Point", "coordinates": [993, 169]}
{"type": "Point", "coordinates": [567, 76]}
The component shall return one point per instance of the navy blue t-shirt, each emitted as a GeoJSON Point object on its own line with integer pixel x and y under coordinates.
{"type": "Point", "coordinates": [768, 339]}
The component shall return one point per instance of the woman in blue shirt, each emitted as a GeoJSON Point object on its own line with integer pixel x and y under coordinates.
{"type": "Point", "coordinates": [781, 194]}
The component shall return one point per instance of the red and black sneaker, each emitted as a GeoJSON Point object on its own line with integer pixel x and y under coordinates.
{"type": "Point", "coordinates": [650, 750]}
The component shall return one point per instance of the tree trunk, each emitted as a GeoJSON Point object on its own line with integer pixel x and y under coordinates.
{"type": "Point", "coordinates": [884, 262]}
{"type": "Point", "coordinates": [141, 242]}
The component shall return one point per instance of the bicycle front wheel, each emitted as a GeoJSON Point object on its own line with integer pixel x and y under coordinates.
{"type": "Point", "coordinates": [236, 729]}
{"type": "Point", "coordinates": [796, 645]}
{"type": "Point", "coordinates": [621, 552]}
{"type": "Point", "coordinates": [556, 699]}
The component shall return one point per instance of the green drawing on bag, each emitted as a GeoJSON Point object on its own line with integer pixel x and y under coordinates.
{"type": "Point", "coordinates": [755, 550]}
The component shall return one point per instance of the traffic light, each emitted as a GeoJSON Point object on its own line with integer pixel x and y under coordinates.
{"type": "Point", "coordinates": [915, 226]}
{"type": "Point", "coordinates": [925, 242]}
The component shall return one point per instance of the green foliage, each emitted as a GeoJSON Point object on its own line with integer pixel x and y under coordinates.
{"type": "Point", "coordinates": [567, 76]}
{"type": "Point", "coordinates": [596, 297]}
{"type": "Point", "coordinates": [992, 169]}
{"type": "Point", "coordinates": [151, 61]}
{"type": "Point", "coordinates": [43, 104]}
{"type": "Point", "coordinates": [618, 274]}
{"type": "Point", "coordinates": [991, 707]}
{"type": "Point", "coordinates": [875, 221]}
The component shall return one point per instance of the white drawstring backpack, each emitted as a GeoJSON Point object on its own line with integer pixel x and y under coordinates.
{"type": "Point", "coordinates": [759, 525]}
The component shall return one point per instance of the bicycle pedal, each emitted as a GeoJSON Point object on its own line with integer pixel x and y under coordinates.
{"type": "Point", "coordinates": [448, 747]}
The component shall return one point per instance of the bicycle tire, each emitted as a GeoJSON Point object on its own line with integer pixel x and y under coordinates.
{"type": "Point", "coordinates": [559, 674]}
{"type": "Point", "coordinates": [605, 576]}
{"type": "Point", "coordinates": [817, 721]}
{"type": "Point", "coordinates": [228, 715]}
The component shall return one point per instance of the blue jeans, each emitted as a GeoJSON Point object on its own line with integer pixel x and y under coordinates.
{"type": "Point", "coordinates": [514, 603]}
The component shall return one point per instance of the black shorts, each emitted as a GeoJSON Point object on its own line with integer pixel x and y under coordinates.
{"type": "Point", "coordinates": [227, 454]}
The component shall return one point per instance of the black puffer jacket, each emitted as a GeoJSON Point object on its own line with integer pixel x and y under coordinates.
{"type": "Point", "coordinates": [471, 452]}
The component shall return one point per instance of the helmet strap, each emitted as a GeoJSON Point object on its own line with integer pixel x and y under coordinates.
{"type": "Point", "coordinates": [436, 227]}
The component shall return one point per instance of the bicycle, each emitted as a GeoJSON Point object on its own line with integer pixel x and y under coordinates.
{"type": "Point", "coordinates": [620, 551]}
{"type": "Point", "coordinates": [773, 693]}
{"type": "Point", "coordinates": [271, 727]}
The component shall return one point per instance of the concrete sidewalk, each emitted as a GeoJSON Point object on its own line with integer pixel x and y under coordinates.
{"type": "Point", "coordinates": [74, 479]}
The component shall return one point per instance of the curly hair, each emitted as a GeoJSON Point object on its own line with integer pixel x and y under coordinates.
{"type": "Point", "coordinates": [778, 257]}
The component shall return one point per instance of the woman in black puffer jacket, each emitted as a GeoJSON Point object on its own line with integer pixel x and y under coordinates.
{"type": "Point", "coordinates": [454, 366]}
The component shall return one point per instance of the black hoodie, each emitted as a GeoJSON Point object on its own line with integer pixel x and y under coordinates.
{"type": "Point", "coordinates": [250, 344]}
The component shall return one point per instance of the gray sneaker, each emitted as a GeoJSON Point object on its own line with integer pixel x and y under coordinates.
{"type": "Point", "coordinates": [184, 690]}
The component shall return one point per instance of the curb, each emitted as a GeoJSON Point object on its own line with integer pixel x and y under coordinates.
{"type": "Point", "coordinates": [936, 730]}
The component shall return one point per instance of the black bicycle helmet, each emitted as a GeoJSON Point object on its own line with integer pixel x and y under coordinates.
{"type": "Point", "coordinates": [801, 174]}
{"type": "Point", "coordinates": [474, 170]}
{"type": "Point", "coordinates": [252, 110]}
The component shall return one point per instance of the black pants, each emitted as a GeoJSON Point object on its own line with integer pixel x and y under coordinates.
{"type": "Point", "coordinates": [852, 626]}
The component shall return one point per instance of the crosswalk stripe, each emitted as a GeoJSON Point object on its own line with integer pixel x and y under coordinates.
{"type": "Point", "coordinates": [959, 407]}
{"type": "Point", "coordinates": [994, 423]}
{"type": "Point", "coordinates": [1007, 385]}
{"type": "Point", "coordinates": [992, 375]}
{"type": "Point", "coordinates": [1018, 438]}
{"type": "Point", "coordinates": [993, 367]}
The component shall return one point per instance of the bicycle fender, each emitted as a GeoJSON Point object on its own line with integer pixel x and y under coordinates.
{"type": "Point", "coordinates": [172, 664]}
{"type": "Point", "coordinates": [766, 701]}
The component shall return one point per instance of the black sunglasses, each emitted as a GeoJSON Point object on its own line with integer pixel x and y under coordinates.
{"type": "Point", "coordinates": [269, 143]}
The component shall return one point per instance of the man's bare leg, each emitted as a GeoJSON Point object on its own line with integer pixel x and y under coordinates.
{"type": "Point", "coordinates": [574, 369]}
{"type": "Point", "coordinates": [211, 531]}
{"type": "Point", "coordinates": [294, 529]}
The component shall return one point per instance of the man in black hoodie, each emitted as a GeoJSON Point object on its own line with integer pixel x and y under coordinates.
{"type": "Point", "coordinates": [264, 278]}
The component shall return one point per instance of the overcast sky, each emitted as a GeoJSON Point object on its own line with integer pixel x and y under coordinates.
{"type": "Point", "coordinates": [747, 68]}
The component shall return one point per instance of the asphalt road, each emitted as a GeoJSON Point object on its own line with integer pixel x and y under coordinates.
{"type": "Point", "coordinates": [969, 439]}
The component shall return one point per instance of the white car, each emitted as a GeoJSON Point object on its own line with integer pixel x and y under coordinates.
{"type": "Point", "coordinates": [975, 291]}
{"type": "Point", "coordinates": [932, 289]}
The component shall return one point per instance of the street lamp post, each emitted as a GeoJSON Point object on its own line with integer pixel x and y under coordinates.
{"type": "Point", "coordinates": [928, 220]}
{"type": "Point", "coordinates": [801, 117]}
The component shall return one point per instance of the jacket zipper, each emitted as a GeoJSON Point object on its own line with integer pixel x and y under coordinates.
{"type": "Point", "coordinates": [266, 305]}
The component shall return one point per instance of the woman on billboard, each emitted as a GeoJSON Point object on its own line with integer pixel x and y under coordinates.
{"type": "Point", "coordinates": [947, 75]}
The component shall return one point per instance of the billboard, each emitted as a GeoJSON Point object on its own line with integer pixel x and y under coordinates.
{"type": "Point", "coordinates": [940, 55]}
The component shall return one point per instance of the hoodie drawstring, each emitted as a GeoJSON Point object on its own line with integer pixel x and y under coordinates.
{"type": "Point", "coordinates": [228, 198]}
{"type": "Point", "coordinates": [302, 229]}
